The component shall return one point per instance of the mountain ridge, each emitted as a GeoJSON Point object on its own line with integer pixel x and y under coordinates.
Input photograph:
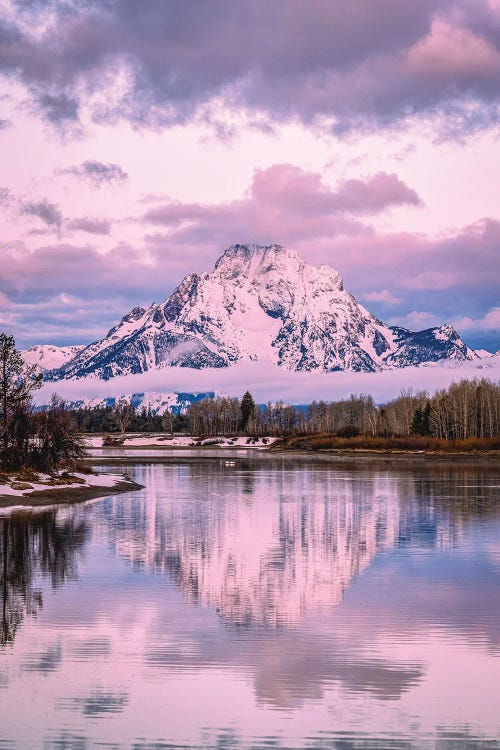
{"type": "Point", "coordinates": [260, 303]}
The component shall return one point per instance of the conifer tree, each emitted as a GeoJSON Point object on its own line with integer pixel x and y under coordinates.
{"type": "Point", "coordinates": [247, 409]}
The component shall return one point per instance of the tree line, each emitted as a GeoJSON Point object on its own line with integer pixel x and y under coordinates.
{"type": "Point", "coordinates": [468, 409]}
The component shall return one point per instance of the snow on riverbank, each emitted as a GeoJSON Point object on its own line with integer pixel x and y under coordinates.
{"type": "Point", "coordinates": [177, 441]}
{"type": "Point", "coordinates": [12, 487]}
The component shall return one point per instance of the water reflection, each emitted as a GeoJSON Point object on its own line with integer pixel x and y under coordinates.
{"type": "Point", "coordinates": [217, 533]}
{"type": "Point", "coordinates": [44, 543]}
{"type": "Point", "coordinates": [261, 604]}
{"type": "Point", "coordinates": [98, 703]}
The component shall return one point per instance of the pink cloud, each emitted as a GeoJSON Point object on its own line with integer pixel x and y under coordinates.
{"type": "Point", "coordinates": [287, 190]}
{"type": "Point", "coordinates": [282, 204]}
{"type": "Point", "coordinates": [383, 296]}
{"type": "Point", "coordinates": [434, 280]}
{"type": "Point", "coordinates": [489, 322]}
{"type": "Point", "coordinates": [450, 51]}
{"type": "Point", "coordinates": [419, 320]}
{"type": "Point", "coordinates": [89, 225]}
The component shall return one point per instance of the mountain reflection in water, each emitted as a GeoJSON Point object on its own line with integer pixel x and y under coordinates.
{"type": "Point", "coordinates": [266, 603]}
{"type": "Point", "coordinates": [265, 563]}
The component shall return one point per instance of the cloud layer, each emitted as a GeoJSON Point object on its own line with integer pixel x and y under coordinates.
{"type": "Point", "coordinates": [140, 138]}
{"type": "Point", "coordinates": [160, 63]}
{"type": "Point", "coordinates": [272, 383]}
{"type": "Point", "coordinates": [48, 212]}
{"type": "Point", "coordinates": [404, 278]}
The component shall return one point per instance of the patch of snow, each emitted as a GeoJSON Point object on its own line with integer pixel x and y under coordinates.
{"type": "Point", "coordinates": [101, 480]}
{"type": "Point", "coordinates": [89, 480]}
{"type": "Point", "coordinates": [93, 441]}
{"type": "Point", "coordinates": [184, 441]}
{"type": "Point", "coordinates": [50, 357]}
{"type": "Point", "coordinates": [177, 441]}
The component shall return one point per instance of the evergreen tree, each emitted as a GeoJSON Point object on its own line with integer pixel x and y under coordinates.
{"type": "Point", "coordinates": [247, 408]}
{"type": "Point", "coordinates": [421, 423]}
{"type": "Point", "coordinates": [416, 425]}
{"type": "Point", "coordinates": [426, 420]}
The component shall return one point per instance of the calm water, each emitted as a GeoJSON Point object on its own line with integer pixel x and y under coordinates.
{"type": "Point", "coordinates": [265, 604]}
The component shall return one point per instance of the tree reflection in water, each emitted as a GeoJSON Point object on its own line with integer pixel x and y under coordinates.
{"type": "Point", "coordinates": [47, 544]}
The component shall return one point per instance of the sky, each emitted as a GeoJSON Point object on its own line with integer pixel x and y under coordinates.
{"type": "Point", "coordinates": [140, 138]}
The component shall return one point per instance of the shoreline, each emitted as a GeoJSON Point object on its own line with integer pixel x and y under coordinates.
{"type": "Point", "coordinates": [203, 454]}
{"type": "Point", "coordinates": [392, 453]}
{"type": "Point", "coordinates": [66, 495]}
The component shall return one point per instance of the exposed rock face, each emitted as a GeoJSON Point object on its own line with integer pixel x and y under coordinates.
{"type": "Point", "coordinates": [260, 303]}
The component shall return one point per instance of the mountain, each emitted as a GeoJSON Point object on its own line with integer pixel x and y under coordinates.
{"type": "Point", "coordinates": [49, 357]}
{"type": "Point", "coordinates": [157, 403]}
{"type": "Point", "coordinates": [260, 304]}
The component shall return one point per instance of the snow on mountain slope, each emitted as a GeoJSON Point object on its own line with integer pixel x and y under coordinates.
{"type": "Point", "coordinates": [260, 304]}
{"type": "Point", "coordinates": [156, 402]}
{"type": "Point", "coordinates": [48, 356]}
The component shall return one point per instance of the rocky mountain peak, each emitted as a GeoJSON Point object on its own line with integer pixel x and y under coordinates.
{"type": "Point", "coordinates": [261, 303]}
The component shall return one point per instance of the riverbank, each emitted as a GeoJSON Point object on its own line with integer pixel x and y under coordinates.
{"type": "Point", "coordinates": [322, 443]}
{"type": "Point", "coordinates": [411, 445]}
{"type": "Point", "coordinates": [63, 489]}
{"type": "Point", "coordinates": [238, 459]}
{"type": "Point", "coordinates": [155, 440]}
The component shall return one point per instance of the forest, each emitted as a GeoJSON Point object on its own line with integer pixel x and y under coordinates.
{"type": "Point", "coordinates": [467, 409]}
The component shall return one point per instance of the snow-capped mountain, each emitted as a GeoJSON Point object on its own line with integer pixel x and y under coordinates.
{"type": "Point", "coordinates": [48, 356]}
{"type": "Point", "coordinates": [260, 304]}
{"type": "Point", "coordinates": [157, 403]}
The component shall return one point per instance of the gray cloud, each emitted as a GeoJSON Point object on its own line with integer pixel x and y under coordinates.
{"type": "Point", "coordinates": [91, 226]}
{"type": "Point", "coordinates": [362, 64]}
{"type": "Point", "coordinates": [4, 124]}
{"type": "Point", "coordinates": [97, 172]}
{"type": "Point", "coordinates": [59, 109]}
{"type": "Point", "coordinates": [48, 212]}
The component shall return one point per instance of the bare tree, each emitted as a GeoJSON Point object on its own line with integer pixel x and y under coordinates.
{"type": "Point", "coordinates": [123, 414]}
{"type": "Point", "coordinates": [18, 381]}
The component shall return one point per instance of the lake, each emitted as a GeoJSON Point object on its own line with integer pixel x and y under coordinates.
{"type": "Point", "coordinates": [254, 603]}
